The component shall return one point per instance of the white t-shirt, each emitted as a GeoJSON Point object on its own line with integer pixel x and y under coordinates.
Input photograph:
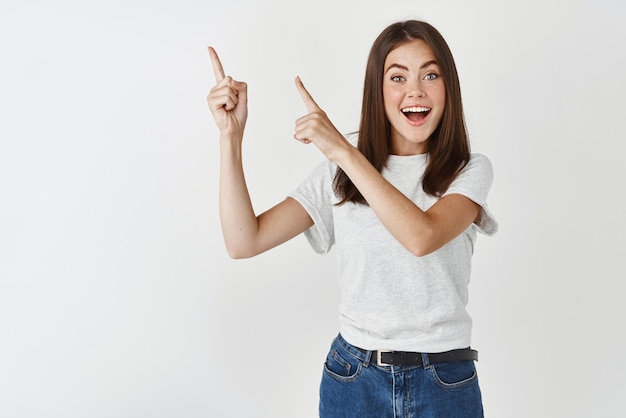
{"type": "Point", "coordinates": [391, 299]}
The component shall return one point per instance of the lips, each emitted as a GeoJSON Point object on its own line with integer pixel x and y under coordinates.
{"type": "Point", "coordinates": [416, 114]}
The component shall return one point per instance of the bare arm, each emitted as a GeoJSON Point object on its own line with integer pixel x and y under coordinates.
{"type": "Point", "coordinates": [245, 234]}
{"type": "Point", "coordinates": [421, 232]}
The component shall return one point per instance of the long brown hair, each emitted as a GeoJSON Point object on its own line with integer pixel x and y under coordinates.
{"type": "Point", "coordinates": [448, 146]}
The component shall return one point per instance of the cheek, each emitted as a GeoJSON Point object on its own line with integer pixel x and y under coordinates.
{"type": "Point", "coordinates": [391, 98]}
{"type": "Point", "coordinates": [439, 118]}
{"type": "Point", "coordinates": [439, 94]}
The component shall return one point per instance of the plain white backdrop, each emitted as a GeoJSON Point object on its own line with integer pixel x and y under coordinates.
{"type": "Point", "coordinates": [117, 297]}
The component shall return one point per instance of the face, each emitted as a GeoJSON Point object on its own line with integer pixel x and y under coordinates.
{"type": "Point", "coordinates": [414, 95]}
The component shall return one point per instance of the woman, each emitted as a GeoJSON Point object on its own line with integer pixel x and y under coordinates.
{"type": "Point", "coordinates": [402, 209]}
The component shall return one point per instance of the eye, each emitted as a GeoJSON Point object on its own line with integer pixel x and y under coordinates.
{"type": "Point", "coordinates": [397, 78]}
{"type": "Point", "coordinates": [431, 76]}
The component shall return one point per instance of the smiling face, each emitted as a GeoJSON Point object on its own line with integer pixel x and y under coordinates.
{"type": "Point", "coordinates": [415, 96]}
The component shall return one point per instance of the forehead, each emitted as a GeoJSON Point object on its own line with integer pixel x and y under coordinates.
{"type": "Point", "coordinates": [409, 54]}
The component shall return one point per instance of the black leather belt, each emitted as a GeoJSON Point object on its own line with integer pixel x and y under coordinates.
{"type": "Point", "coordinates": [408, 358]}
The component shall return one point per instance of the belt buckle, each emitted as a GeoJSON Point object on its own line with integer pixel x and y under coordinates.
{"type": "Point", "coordinates": [379, 361]}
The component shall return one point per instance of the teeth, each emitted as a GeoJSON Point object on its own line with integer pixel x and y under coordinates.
{"type": "Point", "coordinates": [415, 109]}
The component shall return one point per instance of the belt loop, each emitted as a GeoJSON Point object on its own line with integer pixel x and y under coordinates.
{"type": "Point", "coordinates": [425, 360]}
{"type": "Point", "coordinates": [369, 357]}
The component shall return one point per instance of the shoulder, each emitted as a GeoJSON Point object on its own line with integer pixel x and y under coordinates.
{"type": "Point", "coordinates": [320, 177]}
{"type": "Point", "coordinates": [479, 163]}
{"type": "Point", "coordinates": [479, 159]}
{"type": "Point", "coordinates": [478, 172]}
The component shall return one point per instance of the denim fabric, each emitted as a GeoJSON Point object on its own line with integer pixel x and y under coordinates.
{"type": "Point", "coordinates": [353, 385]}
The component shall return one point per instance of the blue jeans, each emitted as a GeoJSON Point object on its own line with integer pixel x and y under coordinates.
{"type": "Point", "coordinates": [354, 386]}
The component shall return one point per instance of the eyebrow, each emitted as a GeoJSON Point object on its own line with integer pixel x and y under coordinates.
{"type": "Point", "coordinates": [405, 68]}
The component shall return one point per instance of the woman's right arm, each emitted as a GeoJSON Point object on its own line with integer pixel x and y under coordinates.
{"type": "Point", "coordinates": [245, 234]}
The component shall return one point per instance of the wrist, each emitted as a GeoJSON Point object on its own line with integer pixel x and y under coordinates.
{"type": "Point", "coordinates": [231, 145]}
{"type": "Point", "coordinates": [346, 155]}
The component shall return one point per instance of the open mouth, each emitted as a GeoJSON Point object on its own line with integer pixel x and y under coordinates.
{"type": "Point", "coordinates": [416, 113]}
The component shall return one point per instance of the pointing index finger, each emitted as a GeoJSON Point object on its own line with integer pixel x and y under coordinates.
{"type": "Point", "coordinates": [306, 96]}
{"type": "Point", "coordinates": [218, 70]}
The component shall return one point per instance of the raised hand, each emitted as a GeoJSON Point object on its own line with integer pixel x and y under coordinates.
{"type": "Point", "coordinates": [227, 100]}
{"type": "Point", "coordinates": [315, 127]}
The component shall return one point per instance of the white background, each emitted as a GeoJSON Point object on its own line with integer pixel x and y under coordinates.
{"type": "Point", "coordinates": [117, 298]}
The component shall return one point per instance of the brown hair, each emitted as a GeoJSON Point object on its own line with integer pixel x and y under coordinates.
{"type": "Point", "coordinates": [448, 146]}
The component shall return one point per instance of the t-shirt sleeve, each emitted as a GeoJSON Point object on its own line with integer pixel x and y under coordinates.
{"type": "Point", "coordinates": [474, 182]}
{"type": "Point", "coordinates": [317, 197]}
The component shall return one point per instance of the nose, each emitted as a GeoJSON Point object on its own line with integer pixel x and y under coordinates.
{"type": "Point", "coordinates": [415, 89]}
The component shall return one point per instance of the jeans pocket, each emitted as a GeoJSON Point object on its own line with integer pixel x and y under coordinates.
{"type": "Point", "coordinates": [454, 375]}
{"type": "Point", "coordinates": [342, 366]}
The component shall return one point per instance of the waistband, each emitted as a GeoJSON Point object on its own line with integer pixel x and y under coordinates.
{"type": "Point", "coordinates": [408, 358]}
